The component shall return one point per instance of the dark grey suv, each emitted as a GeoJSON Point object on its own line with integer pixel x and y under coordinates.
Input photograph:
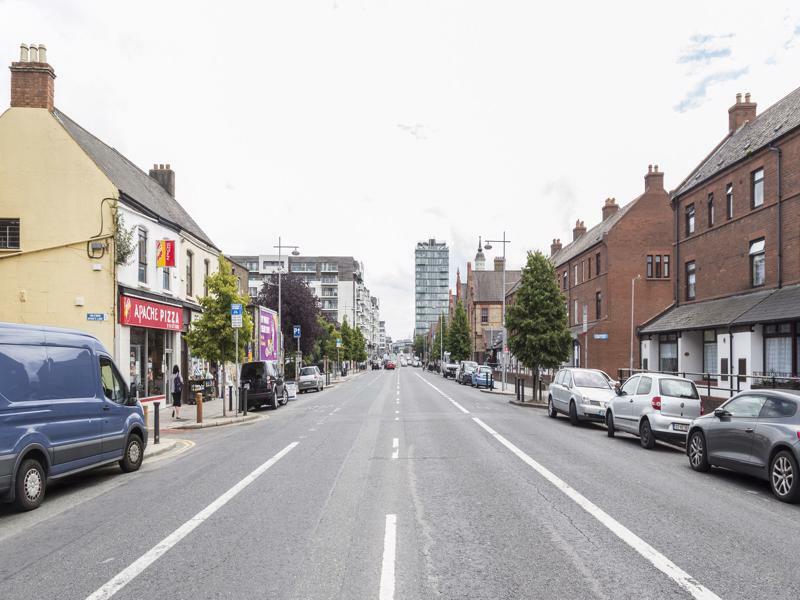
{"type": "Point", "coordinates": [756, 432]}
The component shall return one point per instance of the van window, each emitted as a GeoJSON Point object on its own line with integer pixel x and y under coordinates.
{"type": "Point", "coordinates": [24, 370]}
{"type": "Point", "coordinates": [71, 373]}
{"type": "Point", "coordinates": [645, 384]}
{"type": "Point", "coordinates": [113, 386]}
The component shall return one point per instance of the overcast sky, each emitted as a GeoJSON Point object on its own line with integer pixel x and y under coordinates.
{"type": "Point", "coordinates": [361, 127]}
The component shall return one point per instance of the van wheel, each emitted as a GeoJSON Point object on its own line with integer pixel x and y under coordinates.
{"type": "Point", "coordinates": [646, 435]}
{"type": "Point", "coordinates": [573, 413]}
{"type": "Point", "coordinates": [134, 453]}
{"type": "Point", "coordinates": [30, 485]}
{"type": "Point", "coordinates": [551, 410]}
{"type": "Point", "coordinates": [285, 400]}
{"type": "Point", "coordinates": [698, 456]}
{"type": "Point", "coordinates": [610, 424]}
{"type": "Point", "coordinates": [783, 477]}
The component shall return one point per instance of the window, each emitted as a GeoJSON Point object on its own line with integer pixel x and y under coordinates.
{"type": "Point", "coordinates": [113, 386]}
{"type": "Point", "coordinates": [559, 377]}
{"type": "Point", "coordinates": [748, 406]}
{"type": "Point", "coordinates": [665, 263]}
{"type": "Point", "coordinates": [729, 200]}
{"type": "Point", "coordinates": [189, 273]}
{"type": "Point", "coordinates": [778, 349]}
{"type": "Point", "coordinates": [598, 304]}
{"type": "Point", "coordinates": [597, 264]}
{"type": "Point", "coordinates": [711, 210]}
{"type": "Point", "coordinates": [9, 234]}
{"type": "Point", "coordinates": [206, 273]}
{"type": "Point", "coordinates": [565, 281]}
{"type": "Point", "coordinates": [165, 278]}
{"type": "Point", "coordinates": [253, 291]}
{"type": "Point", "coordinates": [658, 265]}
{"type": "Point", "coordinates": [757, 187]}
{"type": "Point", "coordinates": [678, 388]}
{"type": "Point", "coordinates": [645, 385]}
{"type": "Point", "coordinates": [710, 351]}
{"type": "Point", "coordinates": [690, 219]}
{"type": "Point", "coordinates": [142, 255]}
{"type": "Point", "coordinates": [24, 372]}
{"type": "Point", "coordinates": [629, 388]}
{"type": "Point", "coordinates": [583, 270]}
{"type": "Point", "coordinates": [757, 264]}
{"type": "Point", "coordinates": [649, 265]}
{"type": "Point", "coordinates": [484, 315]}
{"type": "Point", "coordinates": [575, 312]}
{"type": "Point", "coordinates": [668, 353]}
{"type": "Point", "coordinates": [590, 267]}
{"type": "Point", "coordinates": [691, 280]}
{"type": "Point", "coordinates": [575, 275]}
{"type": "Point", "coordinates": [778, 408]}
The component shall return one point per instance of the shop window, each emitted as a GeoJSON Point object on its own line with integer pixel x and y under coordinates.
{"type": "Point", "coordinates": [150, 360]}
{"type": "Point", "coordinates": [691, 280]}
{"type": "Point", "coordinates": [757, 188]}
{"type": "Point", "coordinates": [142, 255]}
{"type": "Point", "coordinates": [710, 351]}
{"type": "Point", "coordinates": [757, 262]}
{"type": "Point", "coordinates": [9, 234]}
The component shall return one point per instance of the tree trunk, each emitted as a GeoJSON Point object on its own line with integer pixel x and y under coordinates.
{"type": "Point", "coordinates": [535, 391]}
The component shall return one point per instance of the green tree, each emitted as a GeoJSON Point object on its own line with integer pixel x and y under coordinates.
{"type": "Point", "coordinates": [419, 345]}
{"type": "Point", "coordinates": [458, 336]}
{"type": "Point", "coordinates": [359, 345]}
{"type": "Point", "coordinates": [538, 333]}
{"type": "Point", "coordinates": [211, 336]}
{"type": "Point", "coordinates": [325, 345]}
{"type": "Point", "coordinates": [348, 343]}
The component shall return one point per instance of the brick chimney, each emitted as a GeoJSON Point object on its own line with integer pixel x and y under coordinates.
{"type": "Point", "coordinates": [498, 263]}
{"type": "Point", "coordinates": [741, 112]}
{"type": "Point", "coordinates": [578, 230]}
{"type": "Point", "coordinates": [32, 79]}
{"type": "Point", "coordinates": [654, 180]}
{"type": "Point", "coordinates": [555, 246]}
{"type": "Point", "coordinates": [165, 177]}
{"type": "Point", "coordinates": [610, 207]}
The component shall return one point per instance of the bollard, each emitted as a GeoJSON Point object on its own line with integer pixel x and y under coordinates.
{"type": "Point", "coordinates": [230, 398]}
{"type": "Point", "coordinates": [198, 398]}
{"type": "Point", "coordinates": [522, 390]}
{"type": "Point", "coordinates": [244, 409]}
{"type": "Point", "coordinates": [241, 399]}
{"type": "Point", "coordinates": [156, 426]}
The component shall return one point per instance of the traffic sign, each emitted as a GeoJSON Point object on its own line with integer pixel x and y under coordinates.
{"type": "Point", "coordinates": [338, 342]}
{"type": "Point", "coordinates": [297, 331]}
{"type": "Point", "coordinates": [236, 315]}
{"type": "Point", "coordinates": [600, 336]}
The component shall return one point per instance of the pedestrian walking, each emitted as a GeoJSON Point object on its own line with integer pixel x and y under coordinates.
{"type": "Point", "coordinates": [177, 391]}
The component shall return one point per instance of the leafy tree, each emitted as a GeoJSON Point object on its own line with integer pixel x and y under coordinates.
{"type": "Point", "coordinates": [348, 343]}
{"type": "Point", "coordinates": [211, 336]}
{"type": "Point", "coordinates": [458, 336]}
{"type": "Point", "coordinates": [299, 306]}
{"type": "Point", "coordinates": [325, 345]}
{"type": "Point", "coordinates": [538, 333]}
{"type": "Point", "coordinates": [419, 345]}
{"type": "Point", "coordinates": [359, 346]}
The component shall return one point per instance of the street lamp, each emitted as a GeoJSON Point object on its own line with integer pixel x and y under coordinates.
{"type": "Point", "coordinates": [295, 252]}
{"type": "Point", "coordinates": [633, 281]}
{"type": "Point", "coordinates": [488, 246]}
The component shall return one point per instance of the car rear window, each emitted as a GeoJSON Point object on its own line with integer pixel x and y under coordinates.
{"type": "Point", "coordinates": [252, 370]}
{"type": "Point", "coordinates": [307, 371]}
{"type": "Point", "coordinates": [776, 408]}
{"type": "Point", "coordinates": [678, 388]}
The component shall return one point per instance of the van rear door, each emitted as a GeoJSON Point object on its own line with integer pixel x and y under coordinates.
{"type": "Point", "coordinates": [115, 409]}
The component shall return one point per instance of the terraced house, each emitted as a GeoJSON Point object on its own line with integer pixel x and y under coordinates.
{"type": "Point", "coordinates": [736, 234]}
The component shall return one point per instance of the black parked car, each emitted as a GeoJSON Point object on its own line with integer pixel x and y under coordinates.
{"type": "Point", "coordinates": [755, 432]}
{"type": "Point", "coordinates": [265, 385]}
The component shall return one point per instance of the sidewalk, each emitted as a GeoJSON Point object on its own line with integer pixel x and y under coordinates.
{"type": "Point", "coordinates": [212, 416]}
{"type": "Point", "coordinates": [510, 393]}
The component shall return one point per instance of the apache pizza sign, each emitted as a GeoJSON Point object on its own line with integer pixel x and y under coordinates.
{"type": "Point", "coordinates": [153, 315]}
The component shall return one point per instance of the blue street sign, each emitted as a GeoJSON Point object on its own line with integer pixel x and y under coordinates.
{"type": "Point", "coordinates": [297, 331]}
{"type": "Point", "coordinates": [601, 336]}
{"type": "Point", "coordinates": [95, 316]}
{"type": "Point", "coordinates": [236, 316]}
{"type": "Point", "coordinates": [236, 309]}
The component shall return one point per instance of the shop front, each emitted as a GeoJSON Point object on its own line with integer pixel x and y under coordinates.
{"type": "Point", "coordinates": [149, 331]}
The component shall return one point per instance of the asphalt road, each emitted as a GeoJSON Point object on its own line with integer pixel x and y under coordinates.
{"type": "Point", "coordinates": [404, 485]}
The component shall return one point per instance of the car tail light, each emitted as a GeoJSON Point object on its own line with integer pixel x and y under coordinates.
{"type": "Point", "coordinates": [656, 402]}
{"type": "Point", "coordinates": [702, 409]}
{"type": "Point", "coordinates": [798, 435]}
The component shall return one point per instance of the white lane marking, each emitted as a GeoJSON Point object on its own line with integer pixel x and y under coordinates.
{"type": "Point", "coordinates": [453, 402]}
{"type": "Point", "coordinates": [658, 560]}
{"type": "Point", "coordinates": [397, 412]}
{"type": "Point", "coordinates": [395, 448]}
{"type": "Point", "coordinates": [152, 555]}
{"type": "Point", "coordinates": [387, 568]}
{"type": "Point", "coordinates": [397, 418]}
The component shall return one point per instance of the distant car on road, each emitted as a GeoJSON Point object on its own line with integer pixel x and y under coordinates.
{"type": "Point", "coordinates": [483, 376]}
{"type": "Point", "coordinates": [264, 384]}
{"type": "Point", "coordinates": [581, 394]}
{"type": "Point", "coordinates": [755, 432]}
{"type": "Point", "coordinates": [390, 365]}
{"type": "Point", "coordinates": [376, 365]}
{"type": "Point", "coordinates": [654, 407]}
{"type": "Point", "coordinates": [310, 379]}
{"type": "Point", "coordinates": [64, 408]}
{"type": "Point", "coordinates": [449, 370]}
{"type": "Point", "coordinates": [465, 369]}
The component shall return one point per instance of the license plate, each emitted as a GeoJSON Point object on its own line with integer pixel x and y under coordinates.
{"type": "Point", "coordinates": [680, 427]}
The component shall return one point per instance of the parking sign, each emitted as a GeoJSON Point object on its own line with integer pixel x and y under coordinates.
{"type": "Point", "coordinates": [297, 331]}
{"type": "Point", "coordinates": [236, 316]}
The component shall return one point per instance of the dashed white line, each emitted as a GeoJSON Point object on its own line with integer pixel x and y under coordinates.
{"type": "Point", "coordinates": [389, 551]}
{"type": "Point", "coordinates": [453, 402]}
{"type": "Point", "coordinates": [152, 555]}
{"type": "Point", "coordinates": [395, 448]}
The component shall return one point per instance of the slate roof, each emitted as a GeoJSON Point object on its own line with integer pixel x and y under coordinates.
{"type": "Point", "coordinates": [132, 181]}
{"type": "Point", "coordinates": [590, 238]}
{"type": "Point", "coordinates": [777, 120]}
{"type": "Point", "coordinates": [781, 305]}
{"type": "Point", "coordinates": [489, 284]}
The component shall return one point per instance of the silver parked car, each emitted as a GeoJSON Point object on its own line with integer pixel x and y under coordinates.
{"type": "Point", "coordinates": [582, 394]}
{"type": "Point", "coordinates": [654, 407]}
{"type": "Point", "coordinates": [310, 379]}
{"type": "Point", "coordinates": [756, 432]}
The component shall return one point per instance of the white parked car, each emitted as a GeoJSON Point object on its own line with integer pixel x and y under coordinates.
{"type": "Point", "coordinates": [654, 407]}
{"type": "Point", "coordinates": [310, 379]}
{"type": "Point", "coordinates": [581, 394]}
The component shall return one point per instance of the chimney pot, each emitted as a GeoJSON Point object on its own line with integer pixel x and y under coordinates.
{"type": "Point", "coordinates": [649, 168]}
{"type": "Point", "coordinates": [167, 166]}
{"type": "Point", "coordinates": [32, 79]}
{"type": "Point", "coordinates": [655, 169]}
{"type": "Point", "coordinates": [42, 53]}
{"type": "Point", "coordinates": [23, 53]}
{"type": "Point", "coordinates": [747, 97]}
{"type": "Point", "coordinates": [34, 53]}
{"type": "Point", "coordinates": [741, 112]}
{"type": "Point", "coordinates": [164, 177]}
{"type": "Point", "coordinates": [609, 208]}
{"type": "Point", "coordinates": [578, 230]}
{"type": "Point", "coordinates": [738, 98]}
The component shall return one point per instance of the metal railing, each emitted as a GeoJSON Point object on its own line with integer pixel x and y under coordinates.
{"type": "Point", "coordinates": [711, 381]}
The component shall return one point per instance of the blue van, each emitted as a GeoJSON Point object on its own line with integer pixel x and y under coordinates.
{"type": "Point", "coordinates": [64, 408]}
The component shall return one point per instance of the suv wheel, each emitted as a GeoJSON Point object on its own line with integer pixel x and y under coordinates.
{"type": "Point", "coordinates": [610, 424]}
{"type": "Point", "coordinates": [274, 404]}
{"type": "Point", "coordinates": [646, 436]}
{"type": "Point", "coordinates": [698, 456]}
{"type": "Point", "coordinates": [134, 453]}
{"type": "Point", "coordinates": [573, 413]}
{"type": "Point", "coordinates": [285, 399]}
{"type": "Point", "coordinates": [30, 485]}
{"type": "Point", "coordinates": [783, 475]}
{"type": "Point", "coordinates": [551, 410]}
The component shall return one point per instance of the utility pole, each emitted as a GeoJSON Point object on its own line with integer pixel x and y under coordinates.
{"type": "Point", "coordinates": [280, 248]}
{"type": "Point", "coordinates": [633, 281]}
{"type": "Point", "coordinates": [488, 246]}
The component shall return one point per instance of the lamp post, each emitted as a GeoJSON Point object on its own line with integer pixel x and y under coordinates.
{"type": "Point", "coordinates": [295, 252]}
{"type": "Point", "coordinates": [633, 281]}
{"type": "Point", "coordinates": [488, 246]}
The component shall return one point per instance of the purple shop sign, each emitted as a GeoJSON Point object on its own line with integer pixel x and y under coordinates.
{"type": "Point", "coordinates": [267, 334]}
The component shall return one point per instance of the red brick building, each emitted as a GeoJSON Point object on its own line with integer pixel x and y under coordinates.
{"type": "Point", "coordinates": [736, 235]}
{"type": "Point", "coordinates": [630, 247]}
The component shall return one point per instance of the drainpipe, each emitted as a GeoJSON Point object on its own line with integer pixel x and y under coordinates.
{"type": "Point", "coordinates": [780, 216]}
{"type": "Point", "coordinates": [730, 358]}
{"type": "Point", "coordinates": [678, 270]}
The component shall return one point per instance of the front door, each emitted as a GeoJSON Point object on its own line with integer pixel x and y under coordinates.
{"type": "Point", "coordinates": [730, 438]}
{"type": "Point", "coordinates": [115, 410]}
